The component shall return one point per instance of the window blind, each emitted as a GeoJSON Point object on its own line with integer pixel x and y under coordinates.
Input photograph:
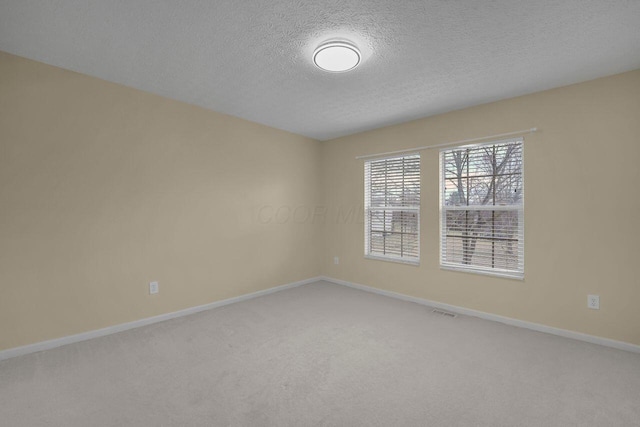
{"type": "Point", "coordinates": [482, 208]}
{"type": "Point", "coordinates": [392, 208]}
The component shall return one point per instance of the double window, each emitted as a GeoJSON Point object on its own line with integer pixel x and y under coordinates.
{"type": "Point", "coordinates": [482, 208]}
{"type": "Point", "coordinates": [392, 208]}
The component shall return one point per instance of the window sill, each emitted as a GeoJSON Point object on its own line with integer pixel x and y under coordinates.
{"type": "Point", "coordinates": [503, 274]}
{"type": "Point", "coordinates": [392, 259]}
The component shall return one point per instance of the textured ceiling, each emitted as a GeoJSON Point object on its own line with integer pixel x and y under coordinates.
{"type": "Point", "coordinates": [252, 58]}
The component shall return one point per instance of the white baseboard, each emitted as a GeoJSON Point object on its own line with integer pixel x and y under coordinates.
{"type": "Point", "coordinates": [58, 342]}
{"type": "Point", "coordinates": [488, 316]}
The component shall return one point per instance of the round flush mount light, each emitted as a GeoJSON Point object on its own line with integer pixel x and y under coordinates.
{"type": "Point", "coordinates": [336, 56]}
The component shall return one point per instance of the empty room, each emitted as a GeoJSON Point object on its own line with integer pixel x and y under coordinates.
{"type": "Point", "coordinates": [336, 213]}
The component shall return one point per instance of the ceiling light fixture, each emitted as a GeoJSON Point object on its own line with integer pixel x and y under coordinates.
{"type": "Point", "coordinates": [336, 56]}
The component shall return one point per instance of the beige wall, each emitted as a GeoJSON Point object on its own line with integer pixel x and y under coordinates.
{"type": "Point", "coordinates": [105, 188]}
{"type": "Point", "coordinates": [582, 203]}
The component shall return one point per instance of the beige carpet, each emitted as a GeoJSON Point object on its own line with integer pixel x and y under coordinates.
{"type": "Point", "coordinates": [323, 355]}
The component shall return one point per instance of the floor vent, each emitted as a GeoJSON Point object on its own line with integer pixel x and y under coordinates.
{"type": "Point", "coordinates": [444, 313]}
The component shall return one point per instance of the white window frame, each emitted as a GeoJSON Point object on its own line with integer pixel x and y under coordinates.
{"type": "Point", "coordinates": [390, 208]}
{"type": "Point", "coordinates": [517, 273]}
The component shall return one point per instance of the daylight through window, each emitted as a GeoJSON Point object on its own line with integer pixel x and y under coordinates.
{"type": "Point", "coordinates": [392, 208]}
{"type": "Point", "coordinates": [482, 208]}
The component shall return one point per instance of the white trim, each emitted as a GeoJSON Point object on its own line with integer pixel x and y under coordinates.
{"type": "Point", "coordinates": [405, 260]}
{"type": "Point", "coordinates": [445, 144]}
{"type": "Point", "coordinates": [481, 144]}
{"type": "Point", "coordinates": [368, 209]}
{"type": "Point", "coordinates": [482, 208]}
{"type": "Point", "coordinates": [621, 345]}
{"type": "Point", "coordinates": [391, 155]}
{"type": "Point", "coordinates": [58, 342]}
{"type": "Point", "coordinates": [444, 209]}
{"type": "Point", "coordinates": [396, 208]}
{"type": "Point", "coordinates": [506, 274]}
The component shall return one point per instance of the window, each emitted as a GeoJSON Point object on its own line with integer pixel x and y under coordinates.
{"type": "Point", "coordinates": [392, 209]}
{"type": "Point", "coordinates": [482, 208]}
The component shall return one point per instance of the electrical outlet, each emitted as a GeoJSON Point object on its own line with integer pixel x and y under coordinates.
{"type": "Point", "coordinates": [336, 260]}
{"type": "Point", "coordinates": [153, 288]}
{"type": "Point", "coordinates": [593, 302]}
